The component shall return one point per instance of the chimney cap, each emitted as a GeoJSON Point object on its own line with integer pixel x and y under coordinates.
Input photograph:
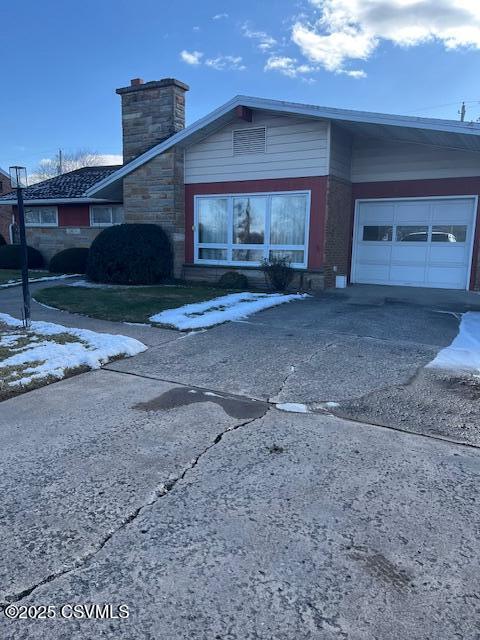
{"type": "Point", "coordinates": [138, 84]}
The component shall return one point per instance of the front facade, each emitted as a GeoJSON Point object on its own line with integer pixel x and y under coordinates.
{"type": "Point", "coordinates": [5, 210]}
{"type": "Point", "coordinates": [373, 197]}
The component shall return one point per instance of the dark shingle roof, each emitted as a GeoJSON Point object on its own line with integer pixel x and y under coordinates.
{"type": "Point", "coordinates": [69, 185]}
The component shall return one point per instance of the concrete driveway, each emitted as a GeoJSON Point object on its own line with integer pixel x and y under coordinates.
{"type": "Point", "coordinates": [171, 483]}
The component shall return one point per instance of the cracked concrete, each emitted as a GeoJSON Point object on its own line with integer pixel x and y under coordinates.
{"type": "Point", "coordinates": [225, 518]}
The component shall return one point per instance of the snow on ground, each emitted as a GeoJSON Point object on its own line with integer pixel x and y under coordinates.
{"type": "Point", "coordinates": [48, 350]}
{"type": "Point", "coordinates": [15, 283]}
{"type": "Point", "coordinates": [234, 306]}
{"type": "Point", "coordinates": [292, 407]}
{"type": "Point", "coordinates": [464, 352]}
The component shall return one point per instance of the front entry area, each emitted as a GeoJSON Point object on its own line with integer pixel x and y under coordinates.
{"type": "Point", "coordinates": [421, 242]}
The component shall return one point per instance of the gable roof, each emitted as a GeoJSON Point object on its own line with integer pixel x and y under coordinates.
{"type": "Point", "coordinates": [4, 173]}
{"type": "Point", "coordinates": [446, 133]}
{"type": "Point", "coordinates": [68, 186]}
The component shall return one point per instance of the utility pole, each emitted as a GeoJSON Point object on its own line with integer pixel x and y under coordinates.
{"type": "Point", "coordinates": [60, 162]}
{"type": "Point", "coordinates": [462, 112]}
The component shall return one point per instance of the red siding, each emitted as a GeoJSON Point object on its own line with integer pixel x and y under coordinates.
{"type": "Point", "coordinates": [423, 189]}
{"type": "Point", "coordinates": [317, 186]}
{"type": "Point", "coordinates": [73, 215]}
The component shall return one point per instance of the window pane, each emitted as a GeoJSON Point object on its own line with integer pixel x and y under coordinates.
{"type": "Point", "coordinates": [449, 233]}
{"type": "Point", "coordinates": [249, 220]}
{"type": "Point", "coordinates": [287, 223]}
{"type": "Point", "coordinates": [212, 220]}
{"type": "Point", "coordinates": [374, 233]}
{"type": "Point", "coordinates": [212, 254]}
{"type": "Point", "coordinates": [247, 255]}
{"type": "Point", "coordinates": [292, 256]}
{"type": "Point", "coordinates": [32, 216]}
{"type": "Point", "coordinates": [101, 215]}
{"type": "Point", "coordinates": [412, 233]}
{"type": "Point", "coordinates": [117, 215]}
{"type": "Point", "coordinates": [48, 216]}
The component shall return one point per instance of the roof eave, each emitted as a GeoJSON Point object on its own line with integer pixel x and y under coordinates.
{"type": "Point", "coordinates": [39, 201]}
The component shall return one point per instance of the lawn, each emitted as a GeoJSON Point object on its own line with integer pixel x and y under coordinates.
{"type": "Point", "coordinates": [130, 304]}
{"type": "Point", "coordinates": [15, 275]}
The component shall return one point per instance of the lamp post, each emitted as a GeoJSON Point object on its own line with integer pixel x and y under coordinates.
{"type": "Point", "coordinates": [18, 179]}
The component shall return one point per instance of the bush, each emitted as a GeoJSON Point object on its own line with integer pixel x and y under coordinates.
{"type": "Point", "coordinates": [2, 240]}
{"type": "Point", "coordinates": [10, 257]}
{"type": "Point", "coordinates": [73, 260]}
{"type": "Point", "coordinates": [130, 254]}
{"type": "Point", "coordinates": [278, 272]}
{"type": "Point", "coordinates": [233, 280]}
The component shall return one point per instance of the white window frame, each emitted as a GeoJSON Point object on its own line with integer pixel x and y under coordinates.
{"type": "Point", "coordinates": [41, 224]}
{"type": "Point", "coordinates": [266, 247]}
{"type": "Point", "coordinates": [104, 206]}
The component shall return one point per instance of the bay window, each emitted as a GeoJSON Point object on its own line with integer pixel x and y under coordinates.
{"type": "Point", "coordinates": [244, 229]}
{"type": "Point", "coordinates": [41, 216]}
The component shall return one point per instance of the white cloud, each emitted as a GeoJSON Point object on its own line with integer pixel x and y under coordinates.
{"type": "Point", "coordinates": [265, 42]}
{"type": "Point", "coordinates": [111, 158]}
{"type": "Point", "coordinates": [287, 66]}
{"type": "Point", "coordinates": [196, 28]}
{"type": "Point", "coordinates": [220, 16]}
{"type": "Point", "coordinates": [226, 63]}
{"type": "Point", "coordinates": [352, 29]}
{"type": "Point", "coordinates": [191, 57]}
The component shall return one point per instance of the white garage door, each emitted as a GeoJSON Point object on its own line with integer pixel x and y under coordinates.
{"type": "Point", "coordinates": [420, 243]}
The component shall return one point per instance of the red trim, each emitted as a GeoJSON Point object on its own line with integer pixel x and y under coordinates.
{"type": "Point", "coordinates": [424, 189]}
{"type": "Point", "coordinates": [73, 215]}
{"type": "Point", "coordinates": [316, 185]}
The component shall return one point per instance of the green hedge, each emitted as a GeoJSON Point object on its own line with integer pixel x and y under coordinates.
{"type": "Point", "coordinates": [2, 240]}
{"type": "Point", "coordinates": [233, 280]}
{"type": "Point", "coordinates": [10, 257]}
{"type": "Point", "coordinates": [73, 260]}
{"type": "Point", "coordinates": [130, 254]}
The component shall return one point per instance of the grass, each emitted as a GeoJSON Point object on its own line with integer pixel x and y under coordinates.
{"type": "Point", "coordinates": [127, 304]}
{"type": "Point", "coordinates": [8, 275]}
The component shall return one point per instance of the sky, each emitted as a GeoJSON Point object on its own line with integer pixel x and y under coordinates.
{"type": "Point", "coordinates": [63, 60]}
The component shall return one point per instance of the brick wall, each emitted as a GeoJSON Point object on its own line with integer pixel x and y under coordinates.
{"type": "Point", "coordinates": [338, 229]}
{"type": "Point", "coordinates": [154, 194]}
{"type": "Point", "coordinates": [5, 211]}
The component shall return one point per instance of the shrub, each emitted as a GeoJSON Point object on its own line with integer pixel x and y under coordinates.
{"type": "Point", "coordinates": [233, 280]}
{"type": "Point", "coordinates": [11, 258]}
{"type": "Point", "coordinates": [278, 272]}
{"type": "Point", "coordinates": [2, 240]}
{"type": "Point", "coordinates": [130, 254]}
{"type": "Point", "coordinates": [73, 260]}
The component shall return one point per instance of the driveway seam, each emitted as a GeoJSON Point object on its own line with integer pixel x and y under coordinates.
{"type": "Point", "coordinates": [160, 491]}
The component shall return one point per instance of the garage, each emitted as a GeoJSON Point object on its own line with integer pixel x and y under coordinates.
{"type": "Point", "coordinates": [421, 242]}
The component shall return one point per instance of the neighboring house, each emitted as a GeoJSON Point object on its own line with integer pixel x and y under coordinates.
{"type": "Point", "coordinates": [59, 215]}
{"type": "Point", "coordinates": [378, 198]}
{"type": "Point", "coordinates": [5, 210]}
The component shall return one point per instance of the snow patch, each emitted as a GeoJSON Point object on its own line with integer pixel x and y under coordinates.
{"type": "Point", "coordinates": [50, 358]}
{"type": "Point", "coordinates": [15, 283]}
{"type": "Point", "coordinates": [292, 407]}
{"type": "Point", "coordinates": [234, 306]}
{"type": "Point", "coordinates": [464, 352]}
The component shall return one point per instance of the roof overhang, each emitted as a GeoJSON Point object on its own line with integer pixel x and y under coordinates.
{"type": "Point", "coordinates": [4, 173]}
{"type": "Point", "coordinates": [53, 201]}
{"type": "Point", "coordinates": [428, 131]}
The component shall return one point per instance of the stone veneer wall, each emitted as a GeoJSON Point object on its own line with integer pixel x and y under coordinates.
{"type": "Point", "coordinates": [154, 194]}
{"type": "Point", "coordinates": [338, 229]}
{"type": "Point", "coordinates": [51, 240]}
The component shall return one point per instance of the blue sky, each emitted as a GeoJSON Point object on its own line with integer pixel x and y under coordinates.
{"type": "Point", "coordinates": [63, 61]}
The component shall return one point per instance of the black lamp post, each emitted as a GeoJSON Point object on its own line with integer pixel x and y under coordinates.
{"type": "Point", "coordinates": [18, 179]}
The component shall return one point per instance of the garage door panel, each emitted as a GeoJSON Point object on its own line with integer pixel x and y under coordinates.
{"type": "Point", "coordinates": [429, 243]}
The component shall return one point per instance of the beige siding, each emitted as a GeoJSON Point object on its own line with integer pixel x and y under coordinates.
{"type": "Point", "coordinates": [382, 161]}
{"type": "Point", "coordinates": [295, 148]}
{"type": "Point", "coordinates": [340, 153]}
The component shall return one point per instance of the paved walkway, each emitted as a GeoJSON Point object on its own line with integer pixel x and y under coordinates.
{"type": "Point", "coordinates": [170, 482]}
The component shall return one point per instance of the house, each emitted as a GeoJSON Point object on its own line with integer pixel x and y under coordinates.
{"type": "Point", "coordinates": [5, 210]}
{"type": "Point", "coordinates": [378, 198]}
{"type": "Point", "coordinates": [59, 215]}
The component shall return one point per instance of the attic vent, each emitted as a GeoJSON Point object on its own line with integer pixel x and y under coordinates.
{"type": "Point", "coordinates": [249, 140]}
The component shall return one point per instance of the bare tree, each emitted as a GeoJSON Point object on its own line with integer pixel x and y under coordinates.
{"type": "Point", "coordinates": [63, 162]}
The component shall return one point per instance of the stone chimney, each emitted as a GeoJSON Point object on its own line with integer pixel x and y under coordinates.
{"type": "Point", "coordinates": [151, 112]}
